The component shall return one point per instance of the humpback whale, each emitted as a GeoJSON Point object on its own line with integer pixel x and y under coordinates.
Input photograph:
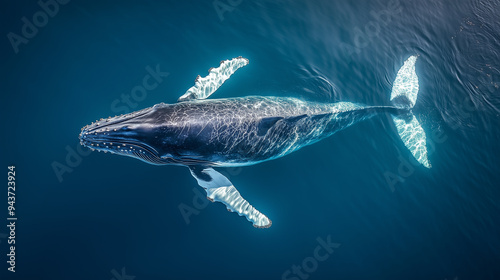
{"type": "Point", "coordinates": [203, 134]}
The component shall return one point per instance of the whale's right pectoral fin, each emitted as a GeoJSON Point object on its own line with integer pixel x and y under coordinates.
{"type": "Point", "coordinates": [220, 189]}
{"type": "Point", "coordinates": [204, 87]}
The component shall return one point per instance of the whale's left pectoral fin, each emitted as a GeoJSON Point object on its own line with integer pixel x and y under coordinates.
{"type": "Point", "coordinates": [220, 189]}
{"type": "Point", "coordinates": [204, 87]}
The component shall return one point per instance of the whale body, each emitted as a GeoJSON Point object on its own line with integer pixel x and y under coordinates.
{"type": "Point", "coordinates": [203, 134]}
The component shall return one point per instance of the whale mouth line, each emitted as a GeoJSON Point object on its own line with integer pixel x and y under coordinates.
{"type": "Point", "coordinates": [140, 145]}
{"type": "Point", "coordinates": [114, 145]}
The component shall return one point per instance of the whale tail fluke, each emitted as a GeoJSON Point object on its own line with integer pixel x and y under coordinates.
{"type": "Point", "coordinates": [404, 95]}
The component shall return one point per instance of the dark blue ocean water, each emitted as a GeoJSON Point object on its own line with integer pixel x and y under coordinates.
{"type": "Point", "coordinates": [111, 217]}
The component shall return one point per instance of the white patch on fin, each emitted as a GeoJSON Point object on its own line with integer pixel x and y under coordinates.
{"type": "Point", "coordinates": [204, 87]}
{"type": "Point", "coordinates": [220, 189]}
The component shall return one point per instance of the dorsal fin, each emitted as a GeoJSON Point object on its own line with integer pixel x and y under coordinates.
{"type": "Point", "coordinates": [266, 123]}
{"type": "Point", "coordinates": [204, 87]}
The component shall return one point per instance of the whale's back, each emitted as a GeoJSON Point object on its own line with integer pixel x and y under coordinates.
{"type": "Point", "coordinates": [244, 131]}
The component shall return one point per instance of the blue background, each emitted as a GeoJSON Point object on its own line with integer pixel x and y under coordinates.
{"type": "Point", "coordinates": [113, 212]}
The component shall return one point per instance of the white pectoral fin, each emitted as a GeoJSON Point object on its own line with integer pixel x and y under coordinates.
{"type": "Point", "coordinates": [204, 87]}
{"type": "Point", "coordinates": [220, 189]}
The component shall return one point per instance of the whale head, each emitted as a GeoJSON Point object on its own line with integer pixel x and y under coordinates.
{"type": "Point", "coordinates": [134, 135]}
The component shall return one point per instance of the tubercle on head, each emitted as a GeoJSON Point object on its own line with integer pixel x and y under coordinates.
{"type": "Point", "coordinates": [99, 134]}
{"type": "Point", "coordinates": [106, 146]}
{"type": "Point", "coordinates": [99, 123]}
{"type": "Point", "coordinates": [105, 121]}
